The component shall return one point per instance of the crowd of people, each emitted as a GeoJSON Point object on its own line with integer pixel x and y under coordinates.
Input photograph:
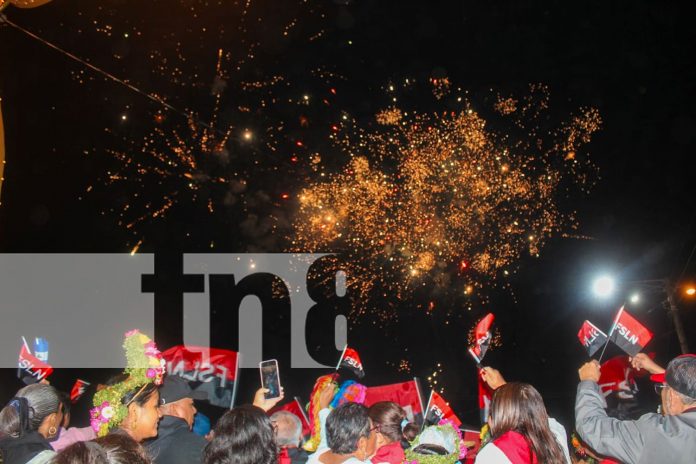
{"type": "Point", "coordinates": [144, 416]}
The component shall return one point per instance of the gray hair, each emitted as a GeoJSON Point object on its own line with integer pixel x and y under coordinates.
{"type": "Point", "coordinates": [287, 436]}
{"type": "Point", "coordinates": [681, 377]}
{"type": "Point", "coordinates": [41, 400]}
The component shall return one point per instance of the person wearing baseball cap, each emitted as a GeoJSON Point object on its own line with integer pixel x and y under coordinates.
{"type": "Point", "coordinates": [669, 437]}
{"type": "Point", "coordinates": [175, 442]}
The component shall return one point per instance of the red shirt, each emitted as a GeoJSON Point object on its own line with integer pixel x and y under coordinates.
{"type": "Point", "coordinates": [392, 453]}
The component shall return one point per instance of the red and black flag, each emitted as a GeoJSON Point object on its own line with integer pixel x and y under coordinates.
{"type": "Point", "coordinates": [78, 390]}
{"type": "Point", "coordinates": [482, 338]}
{"type": "Point", "coordinates": [439, 409]}
{"type": "Point", "coordinates": [351, 361]}
{"type": "Point", "coordinates": [30, 368]}
{"type": "Point", "coordinates": [629, 334]}
{"type": "Point", "coordinates": [591, 338]}
{"type": "Point", "coordinates": [405, 394]}
{"type": "Point", "coordinates": [210, 370]}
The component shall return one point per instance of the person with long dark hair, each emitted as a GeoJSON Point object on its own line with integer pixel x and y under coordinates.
{"type": "Point", "coordinates": [28, 421]}
{"type": "Point", "coordinates": [519, 428]}
{"type": "Point", "coordinates": [115, 448]}
{"type": "Point", "coordinates": [394, 432]}
{"type": "Point", "coordinates": [243, 435]}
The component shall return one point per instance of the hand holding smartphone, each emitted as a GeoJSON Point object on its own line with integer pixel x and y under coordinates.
{"type": "Point", "coordinates": [270, 379]}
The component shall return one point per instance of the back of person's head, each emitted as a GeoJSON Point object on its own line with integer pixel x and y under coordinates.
{"type": "Point", "coordinates": [519, 407]}
{"type": "Point", "coordinates": [681, 377]}
{"type": "Point", "coordinates": [243, 435]}
{"type": "Point", "coordinates": [288, 428]}
{"type": "Point", "coordinates": [390, 420]}
{"type": "Point", "coordinates": [65, 404]}
{"type": "Point", "coordinates": [28, 409]}
{"type": "Point", "coordinates": [345, 426]}
{"type": "Point", "coordinates": [116, 448]}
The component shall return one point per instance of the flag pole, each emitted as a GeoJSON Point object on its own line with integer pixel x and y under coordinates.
{"type": "Point", "coordinates": [427, 409]}
{"type": "Point", "coordinates": [26, 345]}
{"type": "Point", "coordinates": [613, 326]}
{"type": "Point", "coordinates": [342, 355]}
{"type": "Point", "coordinates": [236, 379]}
{"type": "Point", "coordinates": [302, 411]}
{"type": "Point", "coordinates": [416, 382]}
{"type": "Point", "coordinates": [476, 359]}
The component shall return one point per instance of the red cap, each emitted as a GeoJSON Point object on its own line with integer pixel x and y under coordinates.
{"type": "Point", "coordinates": [660, 378]}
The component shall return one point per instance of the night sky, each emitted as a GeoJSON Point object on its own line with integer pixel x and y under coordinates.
{"type": "Point", "coordinates": [633, 61]}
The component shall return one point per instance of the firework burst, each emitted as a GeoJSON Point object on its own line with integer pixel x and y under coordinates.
{"type": "Point", "coordinates": [449, 201]}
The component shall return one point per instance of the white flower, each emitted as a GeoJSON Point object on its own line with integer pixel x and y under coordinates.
{"type": "Point", "coordinates": [107, 412]}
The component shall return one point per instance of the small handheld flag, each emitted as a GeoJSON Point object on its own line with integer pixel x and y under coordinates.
{"type": "Point", "coordinates": [591, 337]}
{"type": "Point", "coordinates": [629, 334]}
{"type": "Point", "coordinates": [439, 409]}
{"type": "Point", "coordinates": [78, 390]}
{"type": "Point", "coordinates": [482, 338]}
{"type": "Point", "coordinates": [351, 360]}
{"type": "Point", "coordinates": [30, 368]}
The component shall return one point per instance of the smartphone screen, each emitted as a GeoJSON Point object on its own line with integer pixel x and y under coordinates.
{"type": "Point", "coordinates": [270, 378]}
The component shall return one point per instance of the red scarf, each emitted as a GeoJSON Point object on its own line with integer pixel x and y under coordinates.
{"type": "Point", "coordinates": [392, 453]}
{"type": "Point", "coordinates": [284, 457]}
{"type": "Point", "coordinates": [515, 448]}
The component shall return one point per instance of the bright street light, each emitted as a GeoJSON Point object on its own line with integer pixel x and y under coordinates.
{"type": "Point", "coordinates": [603, 287]}
{"type": "Point", "coordinates": [635, 298]}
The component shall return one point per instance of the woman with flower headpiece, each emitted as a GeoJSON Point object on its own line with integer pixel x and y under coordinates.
{"type": "Point", "coordinates": [28, 421]}
{"type": "Point", "coordinates": [129, 404]}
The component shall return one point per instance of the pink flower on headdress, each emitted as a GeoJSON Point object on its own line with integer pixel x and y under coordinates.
{"type": "Point", "coordinates": [101, 415]}
{"type": "Point", "coordinates": [131, 332]}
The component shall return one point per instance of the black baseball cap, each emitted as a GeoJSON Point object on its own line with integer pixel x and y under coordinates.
{"type": "Point", "coordinates": [175, 388]}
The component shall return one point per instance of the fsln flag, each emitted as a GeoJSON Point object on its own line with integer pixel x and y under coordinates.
{"type": "Point", "coordinates": [210, 370]}
{"type": "Point", "coordinates": [439, 409]}
{"type": "Point", "coordinates": [30, 368]}
{"type": "Point", "coordinates": [591, 337]}
{"type": "Point", "coordinates": [629, 334]}
{"type": "Point", "coordinates": [482, 338]}
{"type": "Point", "coordinates": [78, 390]}
{"type": "Point", "coordinates": [351, 361]}
{"type": "Point", "coordinates": [405, 394]}
{"type": "Point", "coordinates": [295, 407]}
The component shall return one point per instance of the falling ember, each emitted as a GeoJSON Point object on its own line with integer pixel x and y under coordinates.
{"type": "Point", "coordinates": [427, 189]}
{"type": "Point", "coordinates": [136, 247]}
